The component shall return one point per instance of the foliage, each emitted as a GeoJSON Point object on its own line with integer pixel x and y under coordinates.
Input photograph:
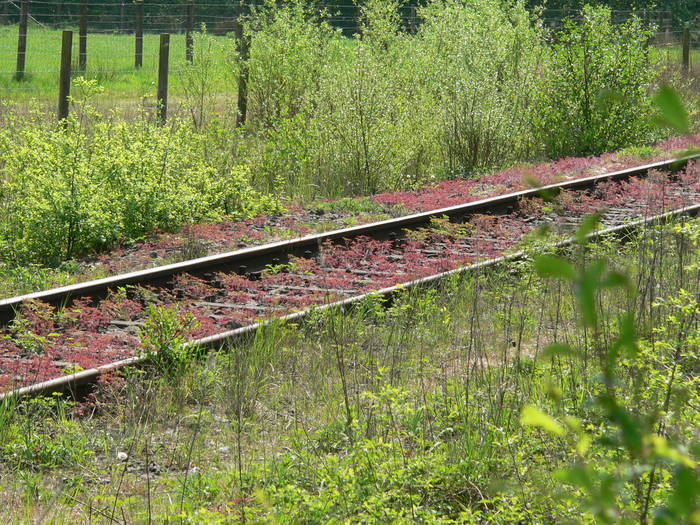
{"type": "Point", "coordinates": [26, 442]}
{"type": "Point", "coordinates": [485, 97]}
{"type": "Point", "coordinates": [386, 109]}
{"type": "Point", "coordinates": [340, 115]}
{"type": "Point", "coordinates": [164, 340]}
{"type": "Point", "coordinates": [596, 96]}
{"type": "Point", "coordinates": [213, 64]}
{"type": "Point", "coordinates": [408, 411]}
{"type": "Point", "coordinates": [640, 440]}
{"type": "Point", "coordinates": [68, 191]}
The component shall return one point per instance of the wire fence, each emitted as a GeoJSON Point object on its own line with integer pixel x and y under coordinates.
{"type": "Point", "coordinates": [118, 40]}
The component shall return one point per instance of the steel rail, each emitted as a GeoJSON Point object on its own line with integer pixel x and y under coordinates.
{"type": "Point", "coordinates": [71, 383]}
{"type": "Point", "coordinates": [256, 258]}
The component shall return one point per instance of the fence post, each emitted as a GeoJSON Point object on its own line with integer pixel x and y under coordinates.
{"type": "Point", "coordinates": [22, 41]}
{"type": "Point", "coordinates": [64, 77]}
{"type": "Point", "coordinates": [138, 57]}
{"type": "Point", "coordinates": [163, 77]}
{"type": "Point", "coordinates": [189, 41]}
{"type": "Point", "coordinates": [82, 53]}
{"type": "Point", "coordinates": [244, 54]}
{"type": "Point", "coordinates": [686, 47]}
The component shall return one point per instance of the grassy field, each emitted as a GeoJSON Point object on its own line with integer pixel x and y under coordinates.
{"type": "Point", "coordinates": [110, 62]}
{"type": "Point", "coordinates": [409, 414]}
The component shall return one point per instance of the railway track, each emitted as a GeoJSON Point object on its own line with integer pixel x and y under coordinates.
{"type": "Point", "coordinates": [57, 339]}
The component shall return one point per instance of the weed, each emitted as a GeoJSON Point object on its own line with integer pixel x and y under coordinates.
{"type": "Point", "coordinates": [164, 339]}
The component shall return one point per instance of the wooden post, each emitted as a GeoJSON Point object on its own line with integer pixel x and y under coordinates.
{"type": "Point", "coordinates": [163, 77]}
{"type": "Point", "coordinates": [64, 77]}
{"type": "Point", "coordinates": [686, 47]}
{"type": "Point", "coordinates": [82, 54]}
{"type": "Point", "coordinates": [22, 41]}
{"type": "Point", "coordinates": [244, 54]}
{"type": "Point", "coordinates": [189, 27]}
{"type": "Point", "coordinates": [138, 57]}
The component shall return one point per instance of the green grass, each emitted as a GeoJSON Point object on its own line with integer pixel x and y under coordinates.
{"type": "Point", "coordinates": [110, 61]}
{"type": "Point", "coordinates": [672, 55]}
{"type": "Point", "coordinates": [399, 415]}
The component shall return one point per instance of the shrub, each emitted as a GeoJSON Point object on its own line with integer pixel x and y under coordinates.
{"type": "Point", "coordinates": [68, 191]}
{"type": "Point", "coordinates": [387, 110]}
{"type": "Point", "coordinates": [290, 48]}
{"type": "Point", "coordinates": [483, 61]}
{"type": "Point", "coordinates": [596, 97]}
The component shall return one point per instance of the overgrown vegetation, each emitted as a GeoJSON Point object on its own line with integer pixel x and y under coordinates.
{"type": "Point", "coordinates": [72, 189]}
{"type": "Point", "coordinates": [479, 86]}
{"type": "Point", "coordinates": [407, 413]}
{"type": "Point", "coordinates": [598, 92]}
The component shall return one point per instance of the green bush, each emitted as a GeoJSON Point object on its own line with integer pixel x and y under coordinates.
{"type": "Point", "coordinates": [483, 62]}
{"type": "Point", "coordinates": [476, 88]}
{"type": "Point", "coordinates": [597, 95]}
{"type": "Point", "coordinates": [68, 191]}
{"type": "Point", "coordinates": [389, 110]}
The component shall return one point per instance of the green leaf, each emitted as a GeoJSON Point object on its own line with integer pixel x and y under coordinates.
{"type": "Point", "coordinates": [685, 499]}
{"type": "Point", "coordinates": [547, 195]}
{"type": "Point", "coordinates": [631, 427]}
{"type": "Point", "coordinates": [552, 266]}
{"type": "Point", "coordinates": [627, 340]}
{"type": "Point", "coordinates": [577, 475]}
{"type": "Point", "coordinates": [533, 417]}
{"type": "Point", "coordinates": [607, 98]}
{"type": "Point", "coordinates": [672, 113]}
{"type": "Point", "coordinates": [586, 290]}
{"type": "Point", "coordinates": [588, 225]}
{"type": "Point", "coordinates": [557, 349]}
{"type": "Point", "coordinates": [616, 279]}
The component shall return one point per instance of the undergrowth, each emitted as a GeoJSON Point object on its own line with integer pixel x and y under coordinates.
{"type": "Point", "coordinates": [478, 86]}
{"type": "Point", "coordinates": [421, 410]}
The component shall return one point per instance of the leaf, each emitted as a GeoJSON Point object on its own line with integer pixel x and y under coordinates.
{"type": "Point", "coordinates": [607, 98]}
{"type": "Point", "coordinates": [552, 266]}
{"type": "Point", "coordinates": [585, 292]}
{"type": "Point", "coordinates": [663, 448]}
{"type": "Point", "coordinates": [684, 499]}
{"type": "Point", "coordinates": [557, 349]}
{"type": "Point", "coordinates": [615, 279]}
{"type": "Point", "coordinates": [577, 475]}
{"type": "Point", "coordinates": [672, 112]}
{"type": "Point", "coordinates": [588, 225]}
{"type": "Point", "coordinates": [547, 195]}
{"type": "Point", "coordinates": [583, 444]}
{"type": "Point", "coordinates": [631, 427]}
{"type": "Point", "coordinates": [628, 336]}
{"type": "Point", "coordinates": [533, 417]}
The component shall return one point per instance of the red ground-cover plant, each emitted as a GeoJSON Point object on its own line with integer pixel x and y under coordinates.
{"type": "Point", "coordinates": [45, 342]}
{"type": "Point", "coordinates": [224, 236]}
